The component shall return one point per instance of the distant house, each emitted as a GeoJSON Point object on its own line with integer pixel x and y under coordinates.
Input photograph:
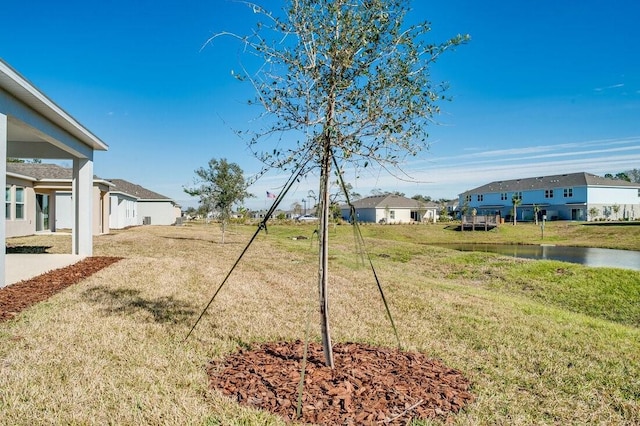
{"type": "Point", "coordinates": [38, 198]}
{"type": "Point", "coordinates": [133, 205]}
{"type": "Point", "coordinates": [572, 196]}
{"type": "Point", "coordinates": [390, 208]}
{"type": "Point", "coordinates": [453, 208]}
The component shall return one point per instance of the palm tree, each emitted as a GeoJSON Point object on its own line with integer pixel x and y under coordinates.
{"type": "Point", "coordinates": [536, 212]}
{"type": "Point", "coordinates": [516, 200]}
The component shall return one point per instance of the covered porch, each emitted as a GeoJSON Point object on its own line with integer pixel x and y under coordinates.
{"type": "Point", "coordinates": [33, 126]}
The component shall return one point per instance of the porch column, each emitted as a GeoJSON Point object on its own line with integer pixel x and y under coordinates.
{"type": "Point", "coordinates": [3, 183]}
{"type": "Point", "coordinates": [82, 233]}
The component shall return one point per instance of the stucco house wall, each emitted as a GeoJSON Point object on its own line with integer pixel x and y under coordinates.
{"type": "Point", "coordinates": [132, 204]}
{"type": "Point", "coordinates": [63, 217]}
{"type": "Point", "coordinates": [159, 212]}
{"type": "Point", "coordinates": [26, 225]}
{"type": "Point", "coordinates": [123, 211]}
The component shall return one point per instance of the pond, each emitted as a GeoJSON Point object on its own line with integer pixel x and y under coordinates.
{"type": "Point", "coordinates": [589, 256]}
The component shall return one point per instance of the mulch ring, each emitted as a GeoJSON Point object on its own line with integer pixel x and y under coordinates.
{"type": "Point", "coordinates": [19, 296]}
{"type": "Point", "coordinates": [368, 385]}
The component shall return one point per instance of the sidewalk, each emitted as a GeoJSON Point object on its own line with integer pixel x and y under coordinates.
{"type": "Point", "coordinates": [20, 267]}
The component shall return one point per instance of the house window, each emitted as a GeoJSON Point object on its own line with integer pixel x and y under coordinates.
{"type": "Point", "coordinates": [19, 203]}
{"type": "Point", "coordinates": [467, 198]}
{"type": "Point", "coordinates": [392, 214]}
{"type": "Point", "coordinates": [548, 193]}
{"type": "Point", "coordinates": [503, 196]}
{"type": "Point", "coordinates": [480, 197]}
{"type": "Point", "coordinates": [517, 195]}
{"type": "Point", "coordinates": [568, 192]}
{"type": "Point", "coordinates": [7, 203]}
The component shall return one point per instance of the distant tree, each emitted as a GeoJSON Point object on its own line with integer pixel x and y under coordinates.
{"type": "Point", "coordinates": [422, 198]}
{"type": "Point", "coordinates": [516, 200]}
{"type": "Point", "coordinates": [220, 186]}
{"type": "Point", "coordinates": [634, 175]}
{"type": "Point", "coordinates": [22, 160]}
{"type": "Point", "coordinates": [593, 213]}
{"type": "Point", "coordinates": [623, 176]}
{"type": "Point", "coordinates": [464, 208]}
{"type": "Point", "coordinates": [620, 176]}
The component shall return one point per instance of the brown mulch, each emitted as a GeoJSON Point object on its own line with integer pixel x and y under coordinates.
{"type": "Point", "coordinates": [16, 297]}
{"type": "Point", "coordinates": [368, 385]}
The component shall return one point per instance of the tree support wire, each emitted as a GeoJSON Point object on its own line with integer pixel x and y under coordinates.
{"type": "Point", "coordinates": [360, 241]}
{"type": "Point", "coordinates": [261, 226]}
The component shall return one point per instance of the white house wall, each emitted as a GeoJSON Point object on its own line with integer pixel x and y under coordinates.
{"type": "Point", "coordinates": [391, 215]}
{"type": "Point", "coordinates": [614, 196]}
{"type": "Point", "coordinates": [159, 212]}
{"type": "Point", "coordinates": [123, 211]}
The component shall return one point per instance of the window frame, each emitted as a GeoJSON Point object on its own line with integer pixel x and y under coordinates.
{"type": "Point", "coordinates": [20, 204]}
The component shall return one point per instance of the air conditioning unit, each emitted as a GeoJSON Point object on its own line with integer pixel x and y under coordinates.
{"type": "Point", "coordinates": [146, 220]}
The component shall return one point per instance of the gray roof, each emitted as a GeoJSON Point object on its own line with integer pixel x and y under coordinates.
{"type": "Point", "coordinates": [41, 171]}
{"type": "Point", "coordinates": [136, 191]}
{"type": "Point", "coordinates": [390, 201]}
{"type": "Point", "coordinates": [548, 182]}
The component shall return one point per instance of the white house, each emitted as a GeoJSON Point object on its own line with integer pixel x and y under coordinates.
{"type": "Point", "coordinates": [133, 205]}
{"type": "Point", "coordinates": [571, 196]}
{"type": "Point", "coordinates": [390, 208]}
{"type": "Point", "coordinates": [42, 194]}
{"type": "Point", "coordinates": [33, 126]}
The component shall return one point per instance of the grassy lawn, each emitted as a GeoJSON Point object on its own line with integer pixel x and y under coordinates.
{"type": "Point", "coordinates": [543, 342]}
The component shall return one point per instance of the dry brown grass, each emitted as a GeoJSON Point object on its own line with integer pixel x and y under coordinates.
{"type": "Point", "coordinates": [110, 350]}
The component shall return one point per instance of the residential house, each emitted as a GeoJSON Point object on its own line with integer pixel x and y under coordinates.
{"type": "Point", "coordinates": [133, 205]}
{"type": "Point", "coordinates": [33, 126]}
{"type": "Point", "coordinates": [453, 208]}
{"type": "Point", "coordinates": [39, 198]}
{"type": "Point", "coordinates": [391, 208]}
{"type": "Point", "coordinates": [572, 196]}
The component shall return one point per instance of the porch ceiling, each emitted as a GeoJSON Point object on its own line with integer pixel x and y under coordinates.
{"type": "Point", "coordinates": [36, 126]}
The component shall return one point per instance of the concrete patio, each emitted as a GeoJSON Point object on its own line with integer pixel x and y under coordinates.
{"type": "Point", "coordinates": [20, 267]}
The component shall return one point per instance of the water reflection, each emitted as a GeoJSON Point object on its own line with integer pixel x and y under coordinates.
{"type": "Point", "coordinates": [625, 259]}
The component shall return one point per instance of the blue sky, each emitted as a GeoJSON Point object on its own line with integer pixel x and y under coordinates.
{"type": "Point", "coordinates": [543, 87]}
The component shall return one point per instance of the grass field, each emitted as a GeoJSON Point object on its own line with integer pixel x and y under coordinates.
{"type": "Point", "coordinates": [543, 342]}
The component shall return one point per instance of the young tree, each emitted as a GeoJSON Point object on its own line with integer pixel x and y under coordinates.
{"type": "Point", "coordinates": [616, 209]}
{"type": "Point", "coordinates": [536, 213]}
{"type": "Point", "coordinates": [353, 82]}
{"type": "Point", "coordinates": [220, 186]}
{"type": "Point", "coordinates": [516, 200]}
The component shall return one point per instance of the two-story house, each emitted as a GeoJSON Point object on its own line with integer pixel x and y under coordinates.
{"type": "Point", "coordinates": [571, 196]}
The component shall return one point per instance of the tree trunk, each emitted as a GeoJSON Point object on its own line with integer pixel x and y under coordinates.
{"type": "Point", "coordinates": [323, 257]}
